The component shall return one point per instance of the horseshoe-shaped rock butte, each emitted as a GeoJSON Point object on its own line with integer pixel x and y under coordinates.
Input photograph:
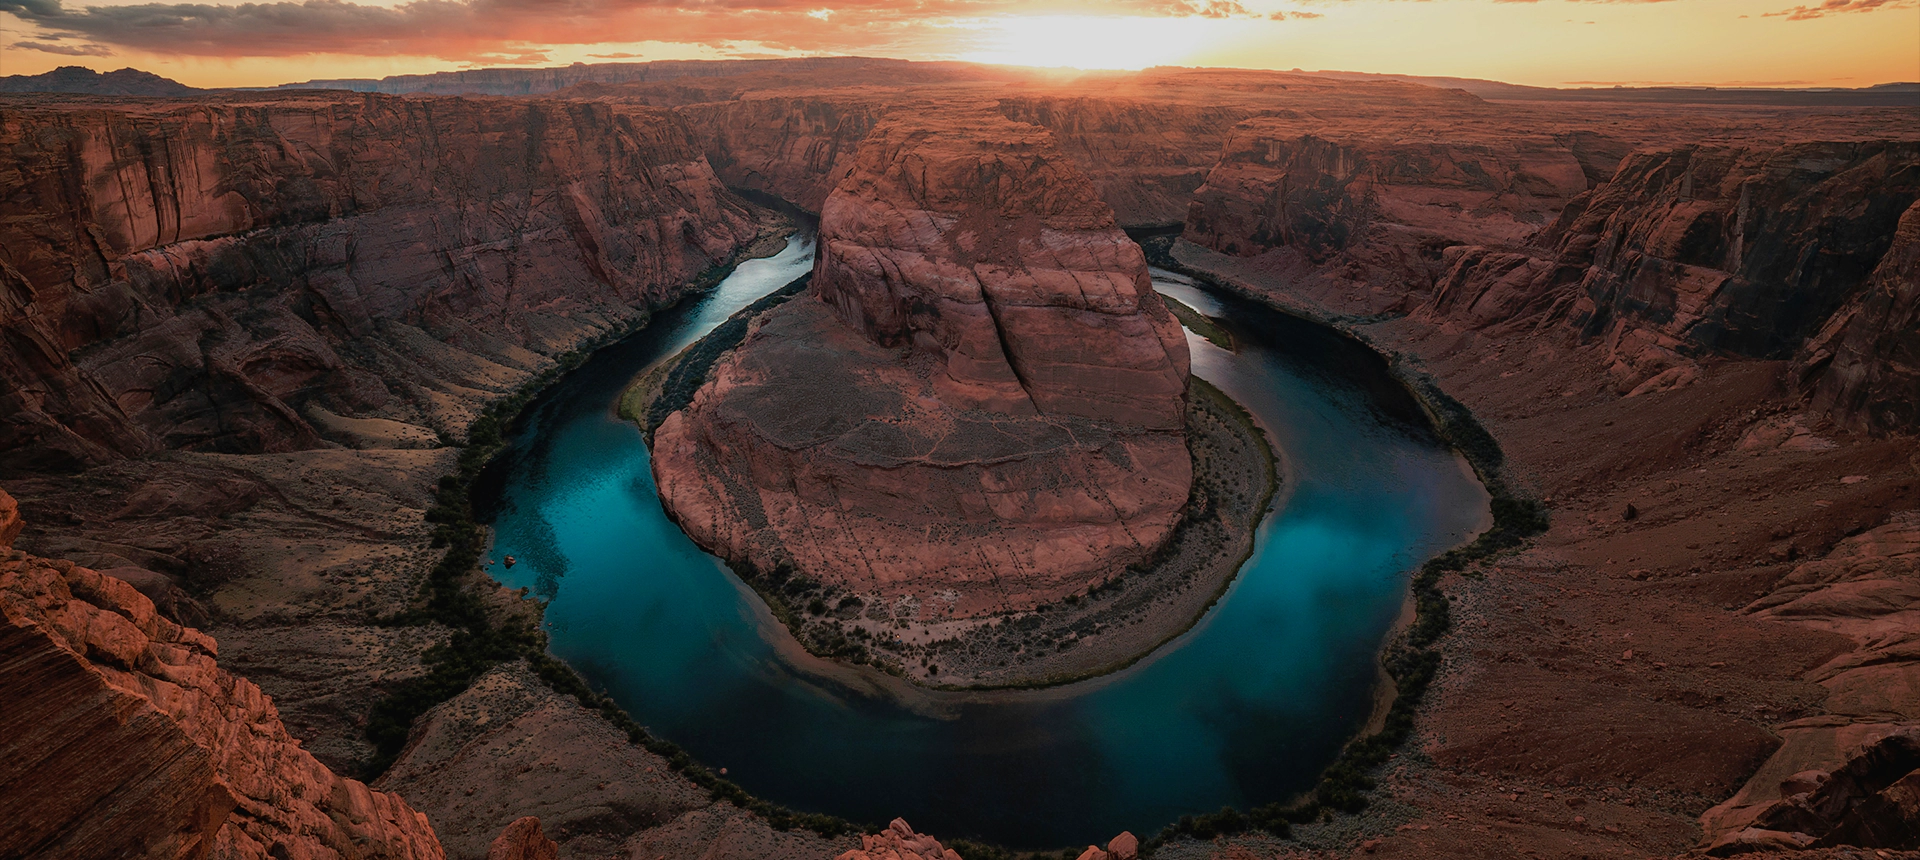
{"type": "Point", "coordinates": [978, 403]}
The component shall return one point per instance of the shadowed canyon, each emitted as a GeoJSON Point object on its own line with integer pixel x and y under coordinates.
{"type": "Point", "coordinates": [597, 462]}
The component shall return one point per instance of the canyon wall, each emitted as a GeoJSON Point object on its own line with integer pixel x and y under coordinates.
{"type": "Point", "coordinates": [797, 148]}
{"type": "Point", "coordinates": [123, 738]}
{"type": "Point", "coordinates": [1706, 250]}
{"type": "Point", "coordinates": [978, 405]}
{"type": "Point", "coordinates": [1675, 254]}
{"type": "Point", "coordinates": [1384, 201]}
{"type": "Point", "coordinates": [248, 276]}
{"type": "Point", "coordinates": [1145, 157]}
{"type": "Point", "coordinates": [1865, 363]}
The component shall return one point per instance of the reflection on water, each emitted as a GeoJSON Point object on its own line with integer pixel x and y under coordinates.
{"type": "Point", "coordinates": [1244, 709]}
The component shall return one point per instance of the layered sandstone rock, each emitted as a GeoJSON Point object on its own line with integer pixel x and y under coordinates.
{"type": "Point", "coordinates": [10, 521]}
{"type": "Point", "coordinates": [1867, 589]}
{"type": "Point", "coordinates": [246, 275]}
{"type": "Point", "coordinates": [510, 765]}
{"type": "Point", "coordinates": [1319, 188]}
{"type": "Point", "coordinates": [1865, 362]}
{"type": "Point", "coordinates": [1702, 250]}
{"type": "Point", "coordinates": [509, 749]}
{"type": "Point", "coordinates": [797, 148]}
{"type": "Point", "coordinates": [122, 738]}
{"type": "Point", "coordinates": [978, 403]}
{"type": "Point", "coordinates": [1144, 156]}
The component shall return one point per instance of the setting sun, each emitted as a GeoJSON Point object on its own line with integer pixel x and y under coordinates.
{"type": "Point", "coordinates": [1090, 41]}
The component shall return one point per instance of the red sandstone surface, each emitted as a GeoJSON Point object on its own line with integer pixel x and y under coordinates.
{"type": "Point", "coordinates": [977, 405]}
{"type": "Point", "coordinates": [123, 738]}
{"type": "Point", "coordinates": [259, 274]}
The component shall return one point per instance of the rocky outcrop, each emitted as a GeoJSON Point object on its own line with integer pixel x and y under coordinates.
{"type": "Point", "coordinates": [1871, 799]}
{"type": "Point", "coordinates": [899, 842]}
{"type": "Point", "coordinates": [1867, 589]}
{"type": "Point", "coordinates": [797, 148]}
{"type": "Point", "coordinates": [511, 765]}
{"type": "Point", "coordinates": [510, 748]}
{"type": "Point", "coordinates": [123, 738]}
{"type": "Point", "coordinates": [1321, 189]}
{"type": "Point", "coordinates": [1144, 156]}
{"type": "Point", "coordinates": [1865, 362]}
{"type": "Point", "coordinates": [523, 840]}
{"type": "Point", "coordinates": [1702, 250]}
{"type": "Point", "coordinates": [252, 276]}
{"type": "Point", "coordinates": [977, 405]}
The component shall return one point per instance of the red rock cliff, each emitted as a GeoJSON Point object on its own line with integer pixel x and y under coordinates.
{"type": "Point", "coordinates": [122, 738]}
{"type": "Point", "coordinates": [979, 403]}
{"type": "Point", "coordinates": [204, 274]}
{"type": "Point", "coordinates": [1702, 250]}
{"type": "Point", "coordinates": [1865, 363]}
{"type": "Point", "coordinates": [1320, 188]}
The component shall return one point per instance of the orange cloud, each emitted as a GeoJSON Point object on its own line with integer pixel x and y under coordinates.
{"type": "Point", "coordinates": [1831, 7]}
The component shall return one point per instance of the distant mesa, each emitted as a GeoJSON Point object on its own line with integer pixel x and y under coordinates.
{"type": "Point", "coordinates": [80, 79]}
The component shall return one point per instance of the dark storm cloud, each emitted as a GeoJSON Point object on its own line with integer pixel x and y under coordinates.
{"type": "Point", "coordinates": [64, 49]}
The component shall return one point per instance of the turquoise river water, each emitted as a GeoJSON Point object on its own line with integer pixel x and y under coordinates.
{"type": "Point", "coordinates": [1245, 708]}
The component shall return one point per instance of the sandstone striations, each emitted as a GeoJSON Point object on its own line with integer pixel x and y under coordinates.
{"type": "Point", "coordinates": [1868, 590]}
{"type": "Point", "coordinates": [1705, 250]}
{"type": "Point", "coordinates": [123, 738]}
{"type": "Point", "coordinates": [510, 747]}
{"type": "Point", "coordinates": [797, 148]}
{"type": "Point", "coordinates": [1291, 182]}
{"type": "Point", "coordinates": [1865, 362]}
{"type": "Point", "coordinates": [250, 276]}
{"type": "Point", "coordinates": [523, 840]}
{"type": "Point", "coordinates": [977, 405]}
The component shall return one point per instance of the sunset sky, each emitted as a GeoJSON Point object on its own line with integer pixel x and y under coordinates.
{"type": "Point", "coordinates": [1542, 42]}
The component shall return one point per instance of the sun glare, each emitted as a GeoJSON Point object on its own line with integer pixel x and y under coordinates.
{"type": "Point", "coordinates": [1089, 41]}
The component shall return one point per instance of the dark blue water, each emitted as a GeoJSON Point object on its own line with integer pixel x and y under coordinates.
{"type": "Point", "coordinates": [1246, 708]}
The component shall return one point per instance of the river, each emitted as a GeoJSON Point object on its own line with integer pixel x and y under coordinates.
{"type": "Point", "coordinates": [1245, 708]}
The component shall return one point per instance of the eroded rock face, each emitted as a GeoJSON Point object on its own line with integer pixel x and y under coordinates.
{"type": "Point", "coordinates": [797, 148]}
{"type": "Point", "coordinates": [1843, 777]}
{"type": "Point", "coordinates": [1298, 183]}
{"type": "Point", "coordinates": [10, 522]}
{"type": "Point", "coordinates": [242, 276]}
{"type": "Point", "coordinates": [523, 840]}
{"type": "Point", "coordinates": [1702, 250]}
{"type": "Point", "coordinates": [122, 738]}
{"type": "Point", "coordinates": [978, 403]}
{"type": "Point", "coordinates": [1865, 362]}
